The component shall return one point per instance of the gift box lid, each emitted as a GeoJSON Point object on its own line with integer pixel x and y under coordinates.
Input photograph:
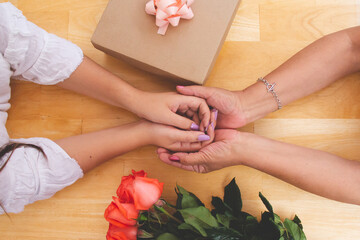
{"type": "Point", "coordinates": [186, 52]}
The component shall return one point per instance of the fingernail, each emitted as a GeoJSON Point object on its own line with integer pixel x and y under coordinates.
{"type": "Point", "coordinates": [174, 158]}
{"type": "Point", "coordinates": [212, 125]}
{"type": "Point", "coordinates": [203, 138]}
{"type": "Point", "coordinates": [181, 87]}
{"type": "Point", "coordinates": [216, 113]}
{"type": "Point", "coordinates": [194, 126]}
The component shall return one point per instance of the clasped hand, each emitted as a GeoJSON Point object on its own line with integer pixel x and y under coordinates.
{"type": "Point", "coordinates": [207, 108]}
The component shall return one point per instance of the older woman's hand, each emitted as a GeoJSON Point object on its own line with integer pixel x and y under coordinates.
{"type": "Point", "coordinates": [229, 104]}
{"type": "Point", "coordinates": [223, 152]}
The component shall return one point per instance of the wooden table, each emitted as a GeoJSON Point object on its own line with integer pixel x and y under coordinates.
{"type": "Point", "coordinates": [264, 34]}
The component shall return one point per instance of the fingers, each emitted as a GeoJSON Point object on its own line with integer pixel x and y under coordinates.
{"type": "Point", "coordinates": [182, 122]}
{"type": "Point", "coordinates": [197, 91]}
{"type": "Point", "coordinates": [201, 92]}
{"type": "Point", "coordinates": [210, 129]}
{"type": "Point", "coordinates": [188, 141]}
{"type": "Point", "coordinates": [166, 157]}
{"type": "Point", "coordinates": [204, 114]}
{"type": "Point", "coordinates": [191, 136]}
{"type": "Point", "coordinates": [194, 107]}
{"type": "Point", "coordinates": [196, 120]}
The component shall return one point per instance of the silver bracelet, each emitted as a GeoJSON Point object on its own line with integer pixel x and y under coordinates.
{"type": "Point", "coordinates": [270, 88]}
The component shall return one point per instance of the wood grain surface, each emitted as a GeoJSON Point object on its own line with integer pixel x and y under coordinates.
{"type": "Point", "coordinates": [264, 34]}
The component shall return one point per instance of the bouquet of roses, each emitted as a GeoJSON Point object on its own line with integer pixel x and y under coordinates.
{"type": "Point", "coordinates": [138, 213]}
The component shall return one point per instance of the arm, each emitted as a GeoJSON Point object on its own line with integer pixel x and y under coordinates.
{"type": "Point", "coordinates": [92, 149]}
{"type": "Point", "coordinates": [93, 80]}
{"type": "Point", "coordinates": [315, 171]}
{"type": "Point", "coordinates": [313, 68]}
{"type": "Point", "coordinates": [37, 56]}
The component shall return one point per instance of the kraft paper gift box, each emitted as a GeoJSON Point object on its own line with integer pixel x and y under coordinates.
{"type": "Point", "coordinates": [185, 54]}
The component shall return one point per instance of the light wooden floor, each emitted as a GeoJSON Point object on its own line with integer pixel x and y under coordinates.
{"type": "Point", "coordinates": [264, 34]}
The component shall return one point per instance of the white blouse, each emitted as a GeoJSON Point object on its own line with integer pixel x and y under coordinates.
{"type": "Point", "coordinates": [28, 52]}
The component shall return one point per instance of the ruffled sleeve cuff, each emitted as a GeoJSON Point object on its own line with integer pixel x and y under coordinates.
{"type": "Point", "coordinates": [31, 176]}
{"type": "Point", "coordinates": [57, 61]}
{"type": "Point", "coordinates": [32, 53]}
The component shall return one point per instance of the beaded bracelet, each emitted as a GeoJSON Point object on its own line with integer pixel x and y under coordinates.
{"type": "Point", "coordinates": [270, 88]}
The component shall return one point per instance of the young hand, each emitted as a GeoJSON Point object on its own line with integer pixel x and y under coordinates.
{"type": "Point", "coordinates": [176, 139]}
{"type": "Point", "coordinates": [185, 112]}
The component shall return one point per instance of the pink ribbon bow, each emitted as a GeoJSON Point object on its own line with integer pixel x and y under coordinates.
{"type": "Point", "coordinates": [169, 12]}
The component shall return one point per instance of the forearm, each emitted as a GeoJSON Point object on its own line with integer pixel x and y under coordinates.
{"type": "Point", "coordinates": [92, 149]}
{"type": "Point", "coordinates": [313, 68]}
{"type": "Point", "coordinates": [92, 80]}
{"type": "Point", "coordinates": [315, 171]}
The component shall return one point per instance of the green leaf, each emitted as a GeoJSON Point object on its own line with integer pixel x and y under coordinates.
{"type": "Point", "coordinates": [266, 203]}
{"type": "Point", "coordinates": [294, 229]}
{"type": "Point", "coordinates": [223, 234]}
{"type": "Point", "coordinates": [298, 221]}
{"type": "Point", "coordinates": [167, 236]}
{"type": "Point", "coordinates": [232, 197]}
{"type": "Point", "coordinates": [277, 219]}
{"type": "Point", "coordinates": [200, 218]}
{"type": "Point", "coordinates": [185, 226]}
{"type": "Point", "coordinates": [268, 228]}
{"type": "Point", "coordinates": [223, 219]}
{"type": "Point", "coordinates": [218, 204]}
{"type": "Point", "coordinates": [251, 225]}
{"type": "Point", "coordinates": [187, 199]}
{"type": "Point", "coordinates": [279, 224]}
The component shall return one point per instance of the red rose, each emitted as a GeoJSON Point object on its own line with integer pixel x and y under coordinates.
{"type": "Point", "coordinates": [140, 190]}
{"type": "Point", "coordinates": [121, 233]}
{"type": "Point", "coordinates": [146, 192]}
{"type": "Point", "coordinates": [121, 214]}
{"type": "Point", "coordinates": [136, 192]}
{"type": "Point", "coordinates": [125, 190]}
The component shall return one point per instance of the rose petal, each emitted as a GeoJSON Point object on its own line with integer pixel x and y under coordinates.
{"type": "Point", "coordinates": [147, 191]}
{"type": "Point", "coordinates": [121, 233]}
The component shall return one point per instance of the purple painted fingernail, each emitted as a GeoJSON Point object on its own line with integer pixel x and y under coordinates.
{"type": "Point", "coordinates": [216, 113]}
{"type": "Point", "coordinates": [212, 125]}
{"type": "Point", "coordinates": [174, 158]}
{"type": "Point", "coordinates": [194, 126]}
{"type": "Point", "coordinates": [203, 138]}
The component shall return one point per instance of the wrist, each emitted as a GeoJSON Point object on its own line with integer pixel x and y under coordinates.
{"type": "Point", "coordinates": [144, 130]}
{"type": "Point", "coordinates": [128, 98]}
{"type": "Point", "coordinates": [256, 102]}
{"type": "Point", "coordinates": [243, 148]}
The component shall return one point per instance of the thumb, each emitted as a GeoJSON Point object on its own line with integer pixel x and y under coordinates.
{"type": "Point", "coordinates": [197, 91]}
{"type": "Point", "coordinates": [182, 122]}
{"type": "Point", "coordinates": [194, 161]}
{"type": "Point", "coordinates": [174, 160]}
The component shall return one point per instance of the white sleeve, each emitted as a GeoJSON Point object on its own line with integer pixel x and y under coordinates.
{"type": "Point", "coordinates": [30, 176]}
{"type": "Point", "coordinates": [32, 53]}
{"type": "Point", "coordinates": [29, 52]}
